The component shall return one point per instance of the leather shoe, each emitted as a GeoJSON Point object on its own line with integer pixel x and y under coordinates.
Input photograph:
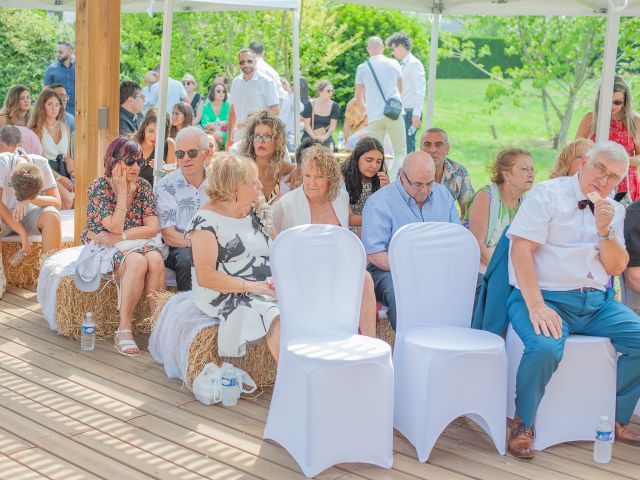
{"type": "Point", "coordinates": [627, 434]}
{"type": "Point", "coordinates": [521, 441]}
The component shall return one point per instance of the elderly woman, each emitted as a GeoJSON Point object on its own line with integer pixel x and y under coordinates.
{"type": "Point", "coordinates": [121, 207]}
{"type": "Point", "coordinates": [568, 162]}
{"type": "Point", "coordinates": [191, 87]}
{"type": "Point", "coordinates": [266, 143]}
{"type": "Point", "coordinates": [230, 241]}
{"type": "Point", "coordinates": [321, 200]}
{"type": "Point", "coordinates": [493, 207]}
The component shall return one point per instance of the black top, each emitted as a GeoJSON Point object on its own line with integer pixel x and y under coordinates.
{"type": "Point", "coordinates": [194, 102]}
{"type": "Point", "coordinates": [146, 171]}
{"type": "Point", "coordinates": [320, 121]}
{"type": "Point", "coordinates": [128, 121]}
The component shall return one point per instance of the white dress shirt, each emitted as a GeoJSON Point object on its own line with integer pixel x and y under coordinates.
{"type": "Point", "coordinates": [388, 71]}
{"type": "Point", "coordinates": [568, 255]}
{"type": "Point", "coordinates": [257, 93]}
{"type": "Point", "coordinates": [414, 84]}
{"type": "Point", "coordinates": [268, 71]}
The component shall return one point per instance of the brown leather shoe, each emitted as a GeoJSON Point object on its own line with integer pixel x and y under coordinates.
{"type": "Point", "coordinates": [521, 441]}
{"type": "Point", "coordinates": [627, 434]}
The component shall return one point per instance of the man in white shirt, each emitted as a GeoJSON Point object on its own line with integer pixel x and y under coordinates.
{"type": "Point", "coordinates": [267, 70]}
{"type": "Point", "coordinates": [389, 76]}
{"type": "Point", "coordinates": [414, 84]}
{"type": "Point", "coordinates": [251, 90]}
{"type": "Point", "coordinates": [27, 210]}
{"type": "Point", "coordinates": [175, 92]}
{"type": "Point", "coordinates": [564, 248]}
{"type": "Point", "coordinates": [179, 196]}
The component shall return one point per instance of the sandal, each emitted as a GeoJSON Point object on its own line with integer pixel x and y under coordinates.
{"type": "Point", "coordinates": [122, 346]}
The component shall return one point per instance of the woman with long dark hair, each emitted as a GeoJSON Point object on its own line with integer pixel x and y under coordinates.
{"type": "Point", "coordinates": [146, 137]}
{"type": "Point", "coordinates": [17, 106]}
{"type": "Point", "coordinates": [181, 117]}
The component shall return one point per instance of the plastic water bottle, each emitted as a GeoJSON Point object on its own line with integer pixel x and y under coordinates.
{"type": "Point", "coordinates": [217, 123]}
{"type": "Point", "coordinates": [17, 258]}
{"type": "Point", "coordinates": [604, 440]}
{"type": "Point", "coordinates": [411, 130]}
{"type": "Point", "coordinates": [230, 389]}
{"type": "Point", "coordinates": [88, 335]}
{"type": "Point", "coordinates": [341, 141]}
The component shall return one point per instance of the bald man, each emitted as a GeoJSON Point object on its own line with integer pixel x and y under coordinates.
{"type": "Point", "coordinates": [373, 97]}
{"type": "Point", "coordinates": [413, 197]}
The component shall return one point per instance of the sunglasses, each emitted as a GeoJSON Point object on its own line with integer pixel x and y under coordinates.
{"type": "Point", "coordinates": [131, 161]}
{"type": "Point", "coordinates": [219, 91]}
{"type": "Point", "coordinates": [618, 102]}
{"type": "Point", "coordinates": [242, 62]}
{"type": "Point", "coordinates": [193, 153]}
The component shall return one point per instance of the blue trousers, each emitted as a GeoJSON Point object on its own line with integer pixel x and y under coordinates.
{"type": "Point", "coordinates": [411, 139]}
{"type": "Point", "coordinates": [180, 261]}
{"type": "Point", "coordinates": [585, 313]}
{"type": "Point", "coordinates": [383, 286]}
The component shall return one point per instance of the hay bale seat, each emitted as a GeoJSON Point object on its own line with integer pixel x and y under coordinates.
{"type": "Point", "coordinates": [257, 362]}
{"type": "Point", "coordinates": [64, 306]}
{"type": "Point", "coordinates": [25, 275]}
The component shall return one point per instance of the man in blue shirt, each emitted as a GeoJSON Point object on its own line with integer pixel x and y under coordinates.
{"type": "Point", "coordinates": [63, 71]}
{"type": "Point", "coordinates": [412, 197]}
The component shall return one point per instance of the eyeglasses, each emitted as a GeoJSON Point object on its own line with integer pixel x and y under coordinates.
{"type": "Point", "coordinates": [417, 185]}
{"type": "Point", "coordinates": [193, 153]}
{"type": "Point", "coordinates": [139, 95]}
{"type": "Point", "coordinates": [242, 62]}
{"type": "Point", "coordinates": [617, 103]}
{"type": "Point", "coordinates": [602, 172]}
{"type": "Point", "coordinates": [264, 138]}
{"type": "Point", "coordinates": [131, 161]}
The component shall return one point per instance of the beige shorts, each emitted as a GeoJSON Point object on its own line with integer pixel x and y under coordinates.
{"type": "Point", "coordinates": [30, 221]}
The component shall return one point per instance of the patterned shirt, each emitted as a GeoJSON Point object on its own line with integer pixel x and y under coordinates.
{"type": "Point", "coordinates": [178, 201]}
{"type": "Point", "coordinates": [456, 179]}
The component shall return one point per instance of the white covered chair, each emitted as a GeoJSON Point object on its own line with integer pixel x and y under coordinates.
{"type": "Point", "coordinates": [582, 389]}
{"type": "Point", "coordinates": [333, 397]}
{"type": "Point", "coordinates": [443, 368]}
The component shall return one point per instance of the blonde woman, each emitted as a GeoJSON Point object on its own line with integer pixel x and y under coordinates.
{"type": "Point", "coordinates": [568, 162]}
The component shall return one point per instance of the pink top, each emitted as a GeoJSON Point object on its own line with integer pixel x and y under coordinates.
{"type": "Point", "coordinates": [30, 141]}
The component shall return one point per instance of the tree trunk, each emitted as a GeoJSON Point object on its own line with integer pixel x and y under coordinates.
{"type": "Point", "coordinates": [567, 116]}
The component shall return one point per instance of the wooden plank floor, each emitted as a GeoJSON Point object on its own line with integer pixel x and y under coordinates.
{"type": "Point", "coordinates": [68, 414]}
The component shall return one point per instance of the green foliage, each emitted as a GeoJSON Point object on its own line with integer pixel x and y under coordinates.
{"type": "Point", "coordinates": [492, 51]}
{"type": "Point", "coordinates": [27, 42]}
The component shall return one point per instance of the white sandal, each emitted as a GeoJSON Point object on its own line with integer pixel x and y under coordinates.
{"type": "Point", "coordinates": [127, 344]}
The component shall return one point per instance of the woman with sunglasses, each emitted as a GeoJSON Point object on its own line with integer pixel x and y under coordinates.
{"type": "Point", "coordinates": [48, 122]}
{"type": "Point", "coordinates": [214, 114]}
{"type": "Point", "coordinates": [266, 144]}
{"type": "Point", "coordinates": [624, 129]}
{"type": "Point", "coordinates": [122, 207]}
{"type": "Point", "coordinates": [17, 106]}
{"type": "Point", "coordinates": [181, 117]}
{"type": "Point", "coordinates": [146, 137]}
{"type": "Point", "coordinates": [320, 115]}
{"type": "Point", "coordinates": [191, 87]}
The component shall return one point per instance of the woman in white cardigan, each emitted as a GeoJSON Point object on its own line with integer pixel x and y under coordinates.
{"type": "Point", "coordinates": [320, 200]}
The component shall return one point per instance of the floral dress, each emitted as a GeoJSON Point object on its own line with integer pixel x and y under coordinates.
{"type": "Point", "coordinates": [618, 133]}
{"type": "Point", "coordinates": [102, 203]}
{"type": "Point", "coordinates": [356, 208]}
{"type": "Point", "coordinates": [243, 252]}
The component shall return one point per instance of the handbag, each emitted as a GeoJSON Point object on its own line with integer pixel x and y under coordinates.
{"type": "Point", "coordinates": [392, 106]}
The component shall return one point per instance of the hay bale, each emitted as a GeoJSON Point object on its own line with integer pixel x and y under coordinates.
{"type": "Point", "coordinates": [72, 304]}
{"type": "Point", "coordinates": [25, 275]}
{"type": "Point", "coordinates": [385, 332]}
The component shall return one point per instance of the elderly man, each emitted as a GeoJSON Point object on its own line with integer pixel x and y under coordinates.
{"type": "Point", "coordinates": [388, 85]}
{"type": "Point", "coordinates": [452, 175]}
{"type": "Point", "coordinates": [251, 90]}
{"type": "Point", "coordinates": [566, 241]}
{"type": "Point", "coordinates": [178, 196]}
{"type": "Point", "coordinates": [31, 214]}
{"type": "Point", "coordinates": [412, 197]}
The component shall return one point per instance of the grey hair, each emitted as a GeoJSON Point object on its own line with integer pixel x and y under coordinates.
{"type": "Point", "coordinates": [188, 132]}
{"type": "Point", "coordinates": [10, 135]}
{"type": "Point", "coordinates": [610, 150]}
{"type": "Point", "coordinates": [436, 130]}
{"type": "Point", "coordinates": [375, 42]}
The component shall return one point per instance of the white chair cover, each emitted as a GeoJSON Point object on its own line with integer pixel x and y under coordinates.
{"type": "Point", "coordinates": [333, 397]}
{"type": "Point", "coordinates": [443, 368]}
{"type": "Point", "coordinates": [582, 389]}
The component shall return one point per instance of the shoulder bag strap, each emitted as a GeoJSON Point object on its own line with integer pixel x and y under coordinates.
{"type": "Point", "coordinates": [376, 79]}
{"type": "Point", "coordinates": [313, 114]}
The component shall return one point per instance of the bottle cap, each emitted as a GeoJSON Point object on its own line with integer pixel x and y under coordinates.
{"type": "Point", "coordinates": [605, 418]}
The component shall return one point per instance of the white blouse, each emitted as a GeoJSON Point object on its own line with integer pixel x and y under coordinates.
{"type": "Point", "coordinates": [293, 210]}
{"type": "Point", "coordinates": [51, 149]}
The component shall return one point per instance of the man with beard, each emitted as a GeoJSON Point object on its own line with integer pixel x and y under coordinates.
{"type": "Point", "coordinates": [251, 90]}
{"type": "Point", "coordinates": [63, 71]}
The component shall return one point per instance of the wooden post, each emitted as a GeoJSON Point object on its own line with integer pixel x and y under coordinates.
{"type": "Point", "coordinates": [97, 88]}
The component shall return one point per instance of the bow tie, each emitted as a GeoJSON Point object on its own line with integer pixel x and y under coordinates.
{"type": "Point", "coordinates": [582, 204]}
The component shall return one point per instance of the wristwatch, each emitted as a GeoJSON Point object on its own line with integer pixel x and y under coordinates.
{"type": "Point", "coordinates": [124, 236]}
{"type": "Point", "coordinates": [611, 235]}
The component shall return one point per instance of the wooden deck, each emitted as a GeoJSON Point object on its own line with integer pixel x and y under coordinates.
{"type": "Point", "coordinates": [67, 414]}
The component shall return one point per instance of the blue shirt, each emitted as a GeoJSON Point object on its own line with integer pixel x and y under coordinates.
{"type": "Point", "coordinates": [391, 208]}
{"type": "Point", "coordinates": [175, 94]}
{"type": "Point", "coordinates": [58, 73]}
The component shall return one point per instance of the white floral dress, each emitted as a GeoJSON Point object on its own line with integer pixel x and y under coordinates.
{"type": "Point", "coordinates": [243, 252]}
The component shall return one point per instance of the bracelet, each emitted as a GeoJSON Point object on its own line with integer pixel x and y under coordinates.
{"type": "Point", "coordinates": [244, 287]}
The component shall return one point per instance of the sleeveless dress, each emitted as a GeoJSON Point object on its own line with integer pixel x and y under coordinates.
{"type": "Point", "coordinates": [356, 208]}
{"type": "Point", "coordinates": [618, 133]}
{"type": "Point", "coordinates": [51, 149]}
{"type": "Point", "coordinates": [209, 116]}
{"type": "Point", "coordinates": [243, 252]}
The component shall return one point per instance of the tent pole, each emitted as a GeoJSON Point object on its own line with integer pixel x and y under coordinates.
{"type": "Point", "coordinates": [296, 73]}
{"type": "Point", "coordinates": [433, 65]}
{"type": "Point", "coordinates": [608, 71]}
{"type": "Point", "coordinates": [167, 25]}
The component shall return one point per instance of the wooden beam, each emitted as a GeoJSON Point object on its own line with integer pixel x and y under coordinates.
{"type": "Point", "coordinates": [97, 87]}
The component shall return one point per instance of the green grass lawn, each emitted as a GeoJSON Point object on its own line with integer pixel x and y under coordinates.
{"type": "Point", "coordinates": [460, 110]}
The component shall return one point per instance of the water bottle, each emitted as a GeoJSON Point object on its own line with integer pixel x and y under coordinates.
{"type": "Point", "coordinates": [340, 141]}
{"type": "Point", "coordinates": [88, 335]}
{"type": "Point", "coordinates": [17, 258]}
{"type": "Point", "coordinates": [411, 130]}
{"type": "Point", "coordinates": [604, 441]}
{"type": "Point", "coordinates": [230, 388]}
{"type": "Point", "coordinates": [217, 123]}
